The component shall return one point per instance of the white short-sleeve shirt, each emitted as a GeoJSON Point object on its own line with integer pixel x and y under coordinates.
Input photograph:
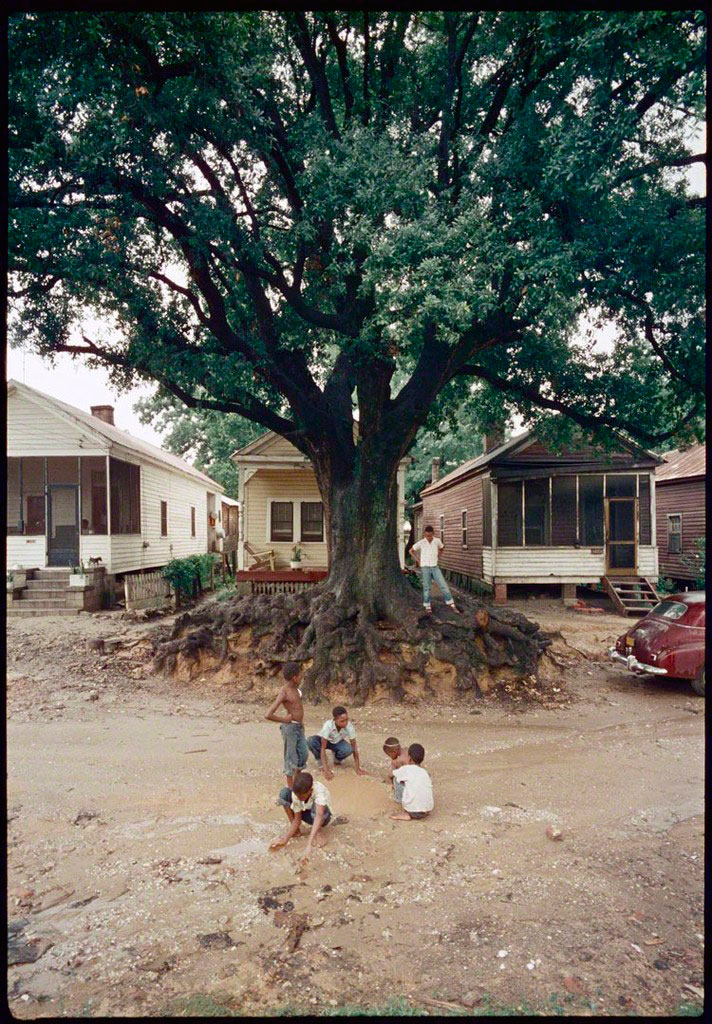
{"type": "Point", "coordinates": [330, 733]}
{"type": "Point", "coordinates": [428, 551]}
{"type": "Point", "coordinates": [418, 792]}
{"type": "Point", "coordinates": [319, 795]}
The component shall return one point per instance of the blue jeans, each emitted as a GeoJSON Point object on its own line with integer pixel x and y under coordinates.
{"type": "Point", "coordinates": [398, 788]}
{"type": "Point", "coordinates": [433, 572]}
{"type": "Point", "coordinates": [285, 800]}
{"type": "Point", "coordinates": [342, 749]}
{"type": "Point", "coordinates": [295, 747]}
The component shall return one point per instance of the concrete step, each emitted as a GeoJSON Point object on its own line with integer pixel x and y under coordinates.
{"type": "Point", "coordinates": [44, 602]}
{"type": "Point", "coordinates": [49, 585]}
{"type": "Point", "coordinates": [17, 611]}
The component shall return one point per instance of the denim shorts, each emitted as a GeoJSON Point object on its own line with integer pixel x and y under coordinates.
{"type": "Point", "coordinates": [296, 751]}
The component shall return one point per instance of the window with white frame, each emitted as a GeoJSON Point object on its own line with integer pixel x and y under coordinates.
{"type": "Point", "coordinates": [464, 527]}
{"type": "Point", "coordinates": [674, 544]}
{"type": "Point", "coordinates": [281, 521]}
{"type": "Point", "coordinates": [312, 521]}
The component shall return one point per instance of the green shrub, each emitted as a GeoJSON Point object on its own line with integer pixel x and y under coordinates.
{"type": "Point", "coordinates": [189, 576]}
{"type": "Point", "coordinates": [666, 586]}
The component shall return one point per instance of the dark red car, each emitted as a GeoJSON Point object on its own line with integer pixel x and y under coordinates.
{"type": "Point", "coordinates": [669, 641]}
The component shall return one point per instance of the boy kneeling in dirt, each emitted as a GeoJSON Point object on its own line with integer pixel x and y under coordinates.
{"type": "Point", "coordinates": [397, 757]}
{"type": "Point", "coordinates": [416, 795]}
{"type": "Point", "coordinates": [308, 801]}
{"type": "Point", "coordinates": [338, 735]}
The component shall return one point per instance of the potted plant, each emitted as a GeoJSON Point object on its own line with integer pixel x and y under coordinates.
{"type": "Point", "coordinates": [16, 578]}
{"type": "Point", "coordinates": [78, 576]}
{"type": "Point", "coordinates": [295, 561]}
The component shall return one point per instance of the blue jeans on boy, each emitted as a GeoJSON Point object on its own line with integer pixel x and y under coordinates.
{"type": "Point", "coordinates": [285, 800]}
{"type": "Point", "coordinates": [295, 747]}
{"type": "Point", "coordinates": [433, 572]}
{"type": "Point", "coordinates": [398, 788]}
{"type": "Point", "coordinates": [342, 749]}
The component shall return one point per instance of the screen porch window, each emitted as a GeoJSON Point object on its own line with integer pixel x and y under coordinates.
{"type": "Point", "coordinates": [125, 486]}
{"type": "Point", "coordinates": [486, 512]}
{"type": "Point", "coordinates": [591, 510]}
{"type": "Point", "coordinates": [509, 514]}
{"type": "Point", "coordinates": [674, 534]}
{"type": "Point", "coordinates": [563, 511]}
{"type": "Point", "coordinates": [164, 519]}
{"type": "Point", "coordinates": [536, 512]}
{"type": "Point", "coordinates": [442, 529]}
{"type": "Point", "coordinates": [192, 521]}
{"type": "Point", "coordinates": [464, 528]}
{"type": "Point", "coordinates": [282, 521]}
{"type": "Point", "coordinates": [312, 521]}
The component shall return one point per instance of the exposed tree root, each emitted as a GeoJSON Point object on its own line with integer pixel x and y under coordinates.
{"type": "Point", "coordinates": [342, 648]}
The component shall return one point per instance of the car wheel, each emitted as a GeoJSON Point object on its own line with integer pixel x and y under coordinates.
{"type": "Point", "coordinates": [698, 685]}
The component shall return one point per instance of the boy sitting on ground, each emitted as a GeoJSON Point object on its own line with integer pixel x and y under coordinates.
{"type": "Point", "coordinates": [292, 726]}
{"type": "Point", "coordinates": [417, 793]}
{"type": "Point", "coordinates": [338, 735]}
{"type": "Point", "coordinates": [309, 802]}
{"type": "Point", "coordinates": [397, 757]}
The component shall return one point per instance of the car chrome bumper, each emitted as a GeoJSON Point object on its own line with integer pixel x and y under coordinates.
{"type": "Point", "coordinates": [633, 665]}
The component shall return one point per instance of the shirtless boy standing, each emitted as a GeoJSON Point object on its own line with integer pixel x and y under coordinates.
{"type": "Point", "coordinates": [292, 726]}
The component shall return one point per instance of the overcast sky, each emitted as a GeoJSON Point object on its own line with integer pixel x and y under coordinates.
{"type": "Point", "coordinates": [71, 381]}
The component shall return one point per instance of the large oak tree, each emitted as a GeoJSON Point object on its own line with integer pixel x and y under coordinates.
{"type": "Point", "coordinates": [287, 215]}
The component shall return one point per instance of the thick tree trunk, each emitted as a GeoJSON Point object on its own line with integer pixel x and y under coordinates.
{"type": "Point", "coordinates": [361, 503]}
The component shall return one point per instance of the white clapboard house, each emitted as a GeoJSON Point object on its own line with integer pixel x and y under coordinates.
{"type": "Point", "coordinates": [80, 490]}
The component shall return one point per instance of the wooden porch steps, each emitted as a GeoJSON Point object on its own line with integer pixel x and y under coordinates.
{"type": "Point", "coordinates": [631, 594]}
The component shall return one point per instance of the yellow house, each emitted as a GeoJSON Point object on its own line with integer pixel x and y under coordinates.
{"type": "Point", "coordinates": [281, 506]}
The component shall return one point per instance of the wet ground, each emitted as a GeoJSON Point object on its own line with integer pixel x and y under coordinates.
{"type": "Point", "coordinates": [140, 883]}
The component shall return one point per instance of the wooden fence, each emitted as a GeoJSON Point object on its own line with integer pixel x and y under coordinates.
{"type": "Point", "coordinates": [279, 586]}
{"type": "Point", "coordinates": [146, 590]}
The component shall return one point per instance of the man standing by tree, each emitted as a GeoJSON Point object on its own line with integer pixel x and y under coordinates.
{"type": "Point", "coordinates": [426, 553]}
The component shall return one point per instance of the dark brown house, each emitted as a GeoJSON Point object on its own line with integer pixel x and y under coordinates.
{"type": "Point", "coordinates": [522, 513]}
{"type": "Point", "coordinates": [680, 512]}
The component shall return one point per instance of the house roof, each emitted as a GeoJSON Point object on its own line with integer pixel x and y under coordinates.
{"type": "Point", "coordinates": [257, 447]}
{"type": "Point", "coordinates": [114, 435]}
{"type": "Point", "coordinates": [507, 447]}
{"type": "Point", "coordinates": [681, 464]}
{"type": "Point", "coordinates": [474, 464]}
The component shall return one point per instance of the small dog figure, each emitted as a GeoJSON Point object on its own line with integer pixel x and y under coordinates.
{"type": "Point", "coordinates": [95, 561]}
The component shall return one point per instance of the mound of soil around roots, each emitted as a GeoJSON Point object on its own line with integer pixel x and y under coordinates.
{"type": "Point", "coordinates": [244, 641]}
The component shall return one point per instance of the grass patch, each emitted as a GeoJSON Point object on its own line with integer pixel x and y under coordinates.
{"type": "Point", "coordinates": [689, 1010]}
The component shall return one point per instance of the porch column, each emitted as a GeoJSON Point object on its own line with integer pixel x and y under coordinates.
{"type": "Point", "coordinates": [400, 505]}
{"type": "Point", "coordinates": [495, 517]}
{"type": "Point", "coordinates": [241, 518]}
{"type": "Point", "coordinates": [108, 502]}
{"type": "Point", "coordinates": [654, 523]}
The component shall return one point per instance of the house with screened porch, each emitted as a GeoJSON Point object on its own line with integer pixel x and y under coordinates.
{"type": "Point", "coordinates": [280, 509]}
{"type": "Point", "coordinates": [82, 491]}
{"type": "Point", "coordinates": [522, 513]}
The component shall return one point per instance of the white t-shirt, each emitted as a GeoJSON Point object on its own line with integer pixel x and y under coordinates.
{"type": "Point", "coordinates": [319, 795]}
{"type": "Point", "coordinates": [428, 551]}
{"type": "Point", "coordinates": [330, 733]}
{"type": "Point", "coordinates": [418, 792]}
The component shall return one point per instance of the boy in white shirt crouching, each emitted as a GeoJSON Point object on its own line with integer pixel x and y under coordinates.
{"type": "Point", "coordinates": [417, 794]}
{"type": "Point", "coordinates": [309, 802]}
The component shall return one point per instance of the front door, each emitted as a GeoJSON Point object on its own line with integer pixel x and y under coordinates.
{"type": "Point", "coordinates": [621, 533]}
{"type": "Point", "coordinates": [62, 524]}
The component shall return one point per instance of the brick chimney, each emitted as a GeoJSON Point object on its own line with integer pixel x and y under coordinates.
{"type": "Point", "coordinates": [493, 439]}
{"type": "Point", "coordinates": [104, 412]}
{"type": "Point", "coordinates": [436, 470]}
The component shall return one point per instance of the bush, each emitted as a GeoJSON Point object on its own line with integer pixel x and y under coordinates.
{"type": "Point", "coordinates": [666, 586]}
{"type": "Point", "coordinates": [189, 576]}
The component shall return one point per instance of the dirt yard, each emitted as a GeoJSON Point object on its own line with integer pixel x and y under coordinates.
{"type": "Point", "coordinates": [140, 811]}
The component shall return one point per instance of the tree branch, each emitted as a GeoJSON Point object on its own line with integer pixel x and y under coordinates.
{"type": "Point", "coordinates": [588, 420]}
